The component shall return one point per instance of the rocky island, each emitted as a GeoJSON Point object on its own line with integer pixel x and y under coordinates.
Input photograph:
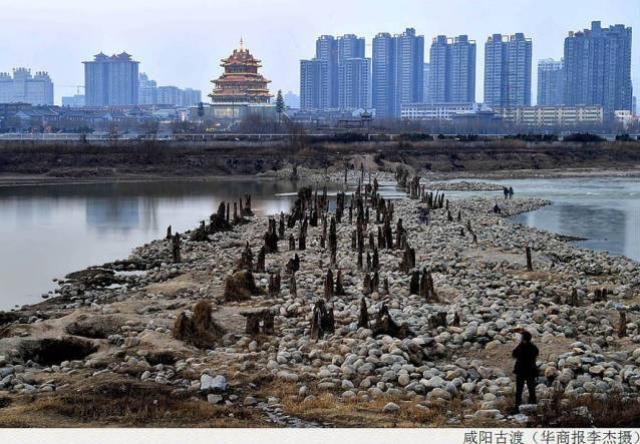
{"type": "Point", "coordinates": [350, 310]}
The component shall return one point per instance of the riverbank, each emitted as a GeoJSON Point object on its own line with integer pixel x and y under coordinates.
{"type": "Point", "coordinates": [110, 334]}
{"type": "Point", "coordinates": [129, 160]}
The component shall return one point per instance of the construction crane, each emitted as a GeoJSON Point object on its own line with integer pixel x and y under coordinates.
{"type": "Point", "coordinates": [77, 87]}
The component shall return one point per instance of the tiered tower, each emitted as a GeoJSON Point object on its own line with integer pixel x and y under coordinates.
{"type": "Point", "coordinates": [241, 82]}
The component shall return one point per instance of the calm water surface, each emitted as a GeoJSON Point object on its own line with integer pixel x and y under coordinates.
{"type": "Point", "coordinates": [604, 211]}
{"type": "Point", "coordinates": [49, 231]}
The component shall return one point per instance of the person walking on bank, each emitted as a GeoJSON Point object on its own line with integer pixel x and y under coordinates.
{"type": "Point", "coordinates": [525, 369]}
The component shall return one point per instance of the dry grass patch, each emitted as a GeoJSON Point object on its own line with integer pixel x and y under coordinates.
{"type": "Point", "coordinates": [615, 411]}
{"type": "Point", "coordinates": [114, 400]}
{"type": "Point", "coordinates": [329, 408]}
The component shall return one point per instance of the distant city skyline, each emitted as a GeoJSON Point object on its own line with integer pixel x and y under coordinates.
{"type": "Point", "coordinates": [280, 32]}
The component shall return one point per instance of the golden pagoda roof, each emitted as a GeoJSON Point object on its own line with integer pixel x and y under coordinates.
{"type": "Point", "coordinates": [241, 80]}
{"type": "Point", "coordinates": [241, 56]}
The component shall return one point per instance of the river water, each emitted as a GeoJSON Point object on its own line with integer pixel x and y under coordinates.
{"type": "Point", "coordinates": [605, 212]}
{"type": "Point", "coordinates": [49, 231]}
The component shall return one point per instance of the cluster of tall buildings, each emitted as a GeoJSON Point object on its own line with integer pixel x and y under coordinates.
{"type": "Point", "coordinates": [24, 87]}
{"type": "Point", "coordinates": [109, 81]}
{"type": "Point", "coordinates": [595, 71]}
{"type": "Point", "coordinates": [338, 76]}
{"type": "Point", "coordinates": [115, 81]}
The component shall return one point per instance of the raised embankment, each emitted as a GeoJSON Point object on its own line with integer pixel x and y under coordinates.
{"type": "Point", "coordinates": [223, 158]}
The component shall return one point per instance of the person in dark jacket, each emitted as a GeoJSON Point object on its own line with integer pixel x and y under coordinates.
{"type": "Point", "coordinates": [525, 369]}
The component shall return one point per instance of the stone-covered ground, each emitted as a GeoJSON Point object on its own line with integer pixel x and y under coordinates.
{"type": "Point", "coordinates": [102, 352]}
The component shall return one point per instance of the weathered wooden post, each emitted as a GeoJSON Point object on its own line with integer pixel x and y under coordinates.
{"type": "Point", "coordinates": [328, 285]}
{"type": "Point", "coordinates": [339, 286]}
{"type": "Point", "coordinates": [529, 260]}
{"type": "Point", "coordinates": [175, 250]}
{"type": "Point", "coordinates": [236, 218]}
{"type": "Point", "coordinates": [292, 243]}
{"type": "Point", "coordinates": [302, 241]}
{"type": "Point", "coordinates": [622, 325]}
{"type": "Point", "coordinates": [281, 227]}
{"type": "Point", "coordinates": [375, 282]}
{"type": "Point", "coordinates": [293, 287]}
{"type": "Point", "coordinates": [246, 259]}
{"type": "Point", "coordinates": [375, 262]}
{"type": "Point", "coordinates": [260, 263]}
{"type": "Point", "coordinates": [366, 285]}
{"type": "Point", "coordinates": [414, 283]}
{"type": "Point", "coordinates": [274, 284]}
{"type": "Point", "coordinates": [573, 299]}
{"type": "Point", "coordinates": [363, 318]}
{"type": "Point", "coordinates": [322, 320]}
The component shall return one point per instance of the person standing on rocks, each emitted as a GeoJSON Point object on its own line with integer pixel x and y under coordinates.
{"type": "Point", "coordinates": [525, 369]}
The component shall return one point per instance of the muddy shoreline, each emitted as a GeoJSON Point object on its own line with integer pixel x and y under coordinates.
{"type": "Point", "coordinates": [13, 180]}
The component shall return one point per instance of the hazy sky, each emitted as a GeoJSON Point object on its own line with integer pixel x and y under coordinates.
{"type": "Point", "coordinates": [180, 42]}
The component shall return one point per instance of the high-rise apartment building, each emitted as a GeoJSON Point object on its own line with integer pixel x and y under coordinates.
{"type": "Point", "coordinates": [452, 76]}
{"type": "Point", "coordinates": [353, 79]}
{"type": "Point", "coordinates": [354, 73]}
{"type": "Point", "coordinates": [147, 90]}
{"type": "Point", "coordinates": [409, 69]}
{"type": "Point", "coordinates": [507, 71]}
{"type": "Point", "coordinates": [338, 77]}
{"type": "Point", "coordinates": [383, 75]}
{"type": "Point", "coordinates": [598, 68]}
{"type": "Point", "coordinates": [550, 82]}
{"type": "Point", "coordinates": [327, 50]}
{"type": "Point", "coordinates": [426, 79]}
{"type": "Point", "coordinates": [397, 72]}
{"type": "Point", "coordinates": [111, 81]}
{"type": "Point", "coordinates": [314, 79]}
{"type": "Point", "coordinates": [23, 87]}
{"type": "Point", "coordinates": [350, 46]}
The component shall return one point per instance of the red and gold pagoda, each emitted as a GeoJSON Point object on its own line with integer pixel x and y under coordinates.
{"type": "Point", "coordinates": [240, 81]}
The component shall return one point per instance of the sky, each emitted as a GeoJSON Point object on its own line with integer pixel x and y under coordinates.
{"type": "Point", "coordinates": [181, 42]}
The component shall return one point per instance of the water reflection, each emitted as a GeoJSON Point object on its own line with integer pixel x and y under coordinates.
{"type": "Point", "coordinates": [48, 231]}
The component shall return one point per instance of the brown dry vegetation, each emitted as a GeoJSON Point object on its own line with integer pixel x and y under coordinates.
{"type": "Point", "coordinates": [330, 409]}
{"type": "Point", "coordinates": [74, 160]}
{"type": "Point", "coordinates": [616, 411]}
{"type": "Point", "coordinates": [121, 401]}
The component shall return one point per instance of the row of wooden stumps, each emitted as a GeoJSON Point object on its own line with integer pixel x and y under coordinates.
{"type": "Point", "coordinates": [218, 221]}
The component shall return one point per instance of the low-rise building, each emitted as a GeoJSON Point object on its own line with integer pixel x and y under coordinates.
{"type": "Point", "coordinates": [232, 112]}
{"type": "Point", "coordinates": [149, 93]}
{"type": "Point", "coordinates": [437, 111]}
{"type": "Point", "coordinates": [75, 101]}
{"type": "Point", "coordinates": [552, 115]}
